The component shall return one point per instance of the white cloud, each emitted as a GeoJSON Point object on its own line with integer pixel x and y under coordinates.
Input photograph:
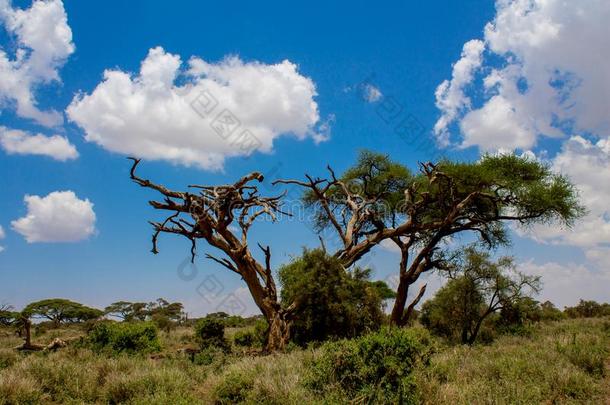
{"type": "Point", "coordinates": [371, 93]}
{"type": "Point", "coordinates": [19, 142]}
{"type": "Point", "coordinates": [488, 127]}
{"type": "Point", "coordinates": [554, 79]}
{"type": "Point", "coordinates": [450, 97]}
{"type": "Point", "coordinates": [565, 284]}
{"type": "Point", "coordinates": [152, 116]}
{"type": "Point", "coordinates": [587, 164]}
{"type": "Point", "coordinates": [59, 217]}
{"type": "Point", "coordinates": [44, 42]}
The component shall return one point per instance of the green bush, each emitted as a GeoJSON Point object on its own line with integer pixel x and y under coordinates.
{"type": "Point", "coordinates": [244, 338]}
{"type": "Point", "coordinates": [210, 332]}
{"type": "Point", "coordinates": [377, 366]}
{"type": "Point", "coordinates": [211, 356]}
{"type": "Point", "coordinates": [333, 303]}
{"type": "Point", "coordinates": [125, 337]}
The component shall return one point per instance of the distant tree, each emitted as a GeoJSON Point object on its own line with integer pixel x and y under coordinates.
{"type": "Point", "coordinates": [378, 199]}
{"type": "Point", "coordinates": [520, 311]}
{"type": "Point", "coordinates": [120, 309]}
{"type": "Point", "coordinates": [138, 312]}
{"type": "Point", "coordinates": [549, 312]}
{"type": "Point", "coordinates": [587, 309]}
{"type": "Point", "coordinates": [478, 287]}
{"type": "Point", "coordinates": [173, 311]}
{"type": "Point", "coordinates": [332, 303]}
{"type": "Point", "coordinates": [59, 310]}
{"type": "Point", "coordinates": [7, 314]}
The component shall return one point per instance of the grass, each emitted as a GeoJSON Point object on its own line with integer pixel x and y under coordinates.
{"type": "Point", "coordinates": [562, 362]}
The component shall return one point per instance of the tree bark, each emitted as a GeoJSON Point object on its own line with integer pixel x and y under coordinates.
{"type": "Point", "coordinates": [279, 333]}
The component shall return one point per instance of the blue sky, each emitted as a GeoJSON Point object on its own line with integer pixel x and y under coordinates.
{"type": "Point", "coordinates": [341, 52]}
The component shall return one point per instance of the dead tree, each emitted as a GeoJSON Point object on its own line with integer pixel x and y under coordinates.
{"type": "Point", "coordinates": [222, 216]}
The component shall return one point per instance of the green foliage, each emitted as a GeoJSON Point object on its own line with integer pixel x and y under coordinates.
{"type": "Point", "coordinates": [131, 338]}
{"type": "Point", "coordinates": [528, 189]}
{"type": "Point", "coordinates": [588, 309]}
{"type": "Point", "coordinates": [494, 189]}
{"type": "Point", "coordinates": [245, 338]}
{"type": "Point", "coordinates": [549, 312]}
{"type": "Point", "coordinates": [376, 366]}
{"type": "Point", "coordinates": [210, 332]}
{"type": "Point", "coordinates": [211, 355]}
{"type": "Point", "coordinates": [375, 177]}
{"type": "Point", "coordinates": [331, 302]}
{"type": "Point", "coordinates": [59, 310]}
{"type": "Point", "coordinates": [479, 287]}
{"type": "Point", "coordinates": [7, 317]}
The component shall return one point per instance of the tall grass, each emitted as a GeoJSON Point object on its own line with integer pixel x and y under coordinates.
{"type": "Point", "coordinates": [563, 362]}
{"type": "Point", "coordinates": [560, 363]}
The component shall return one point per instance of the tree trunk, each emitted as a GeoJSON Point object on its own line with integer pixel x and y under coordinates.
{"type": "Point", "coordinates": [279, 333]}
{"type": "Point", "coordinates": [27, 326]}
{"type": "Point", "coordinates": [475, 332]}
{"type": "Point", "coordinates": [403, 288]}
{"type": "Point", "coordinates": [400, 303]}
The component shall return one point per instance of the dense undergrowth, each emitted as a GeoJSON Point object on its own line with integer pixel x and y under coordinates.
{"type": "Point", "coordinates": [558, 362]}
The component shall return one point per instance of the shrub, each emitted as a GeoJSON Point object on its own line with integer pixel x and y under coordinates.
{"type": "Point", "coordinates": [126, 337]}
{"type": "Point", "coordinates": [377, 366]}
{"type": "Point", "coordinates": [210, 355]}
{"type": "Point", "coordinates": [210, 332]}
{"type": "Point", "coordinates": [244, 338]}
{"type": "Point", "coordinates": [333, 302]}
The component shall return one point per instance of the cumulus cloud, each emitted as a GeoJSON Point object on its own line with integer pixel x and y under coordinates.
{"type": "Point", "coordinates": [450, 97]}
{"type": "Point", "coordinates": [546, 83]}
{"type": "Point", "coordinates": [198, 116]}
{"type": "Point", "coordinates": [58, 217]}
{"type": "Point", "coordinates": [587, 164]}
{"type": "Point", "coordinates": [43, 43]}
{"type": "Point", "coordinates": [19, 142]}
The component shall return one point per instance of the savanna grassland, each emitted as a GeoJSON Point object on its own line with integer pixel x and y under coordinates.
{"type": "Point", "coordinates": [567, 361]}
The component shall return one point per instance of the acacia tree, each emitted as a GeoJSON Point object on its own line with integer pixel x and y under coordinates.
{"type": "Point", "coordinates": [378, 200]}
{"type": "Point", "coordinates": [7, 314]}
{"type": "Point", "coordinates": [120, 309]}
{"type": "Point", "coordinates": [478, 287]}
{"type": "Point", "coordinates": [58, 310]}
{"type": "Point", "coordinates": [222, 216]}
